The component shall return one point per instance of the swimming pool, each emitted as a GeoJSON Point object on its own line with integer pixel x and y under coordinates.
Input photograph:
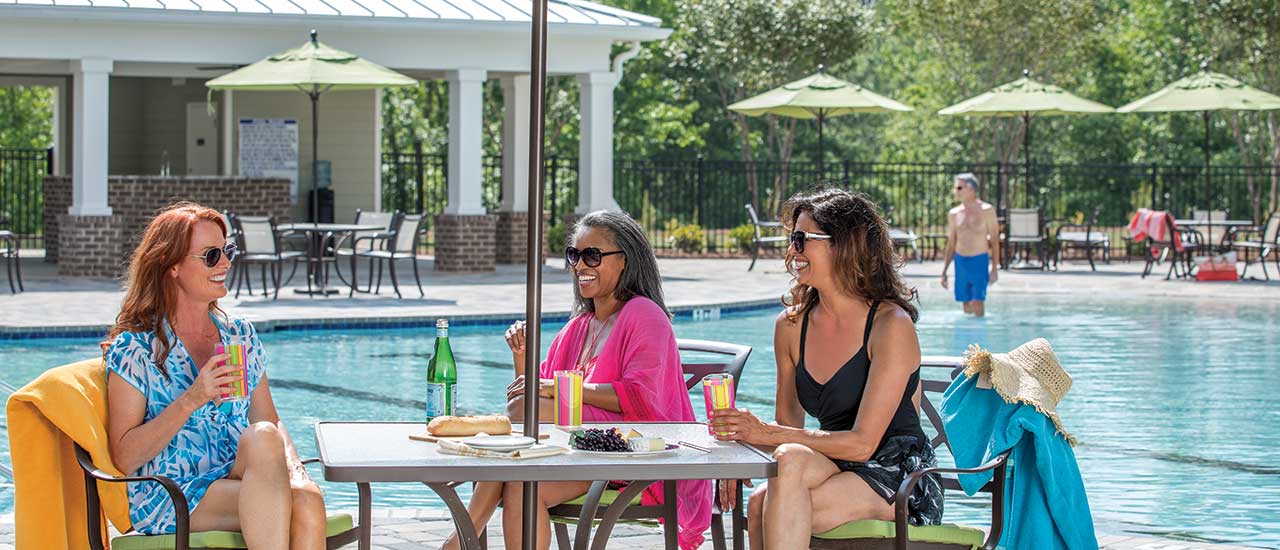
{"type": "Point", "coordinates": [1175, 403]}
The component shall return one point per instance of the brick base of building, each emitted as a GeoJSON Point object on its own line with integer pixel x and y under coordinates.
{"type": "Point", "coordinates": [511, 237]}
{"type": "Point", "coordinates": [91, 246]}
{"type": "Point", "coordinates": [465, 244]}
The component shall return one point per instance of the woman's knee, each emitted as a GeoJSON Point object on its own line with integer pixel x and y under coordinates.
{"type": "Point", "coordinates": [755, 502]}
{"type": "Point", "coordinates": [793, 459]}
{"type": "Point", "coordinates": [262, 441]}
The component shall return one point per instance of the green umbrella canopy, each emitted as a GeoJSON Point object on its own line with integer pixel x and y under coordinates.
{"type": "Point", "coordinates": [311, 65]}
{"type": "Point", "coordinates": [1205, 91]}
{"type": "Point", "coordinates": [819, 93]}
{"type": "Point", "coordinates": [1025, 96]}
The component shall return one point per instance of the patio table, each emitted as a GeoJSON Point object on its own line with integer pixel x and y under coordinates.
{"type": "Point", "coordinates": [1195, 224]}
{"type": "Point", "coordinates": [316, 233]}
{"type": "Point", "coordinates": [381, 452]}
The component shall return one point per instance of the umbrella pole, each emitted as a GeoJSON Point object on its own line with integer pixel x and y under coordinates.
{"type": "Point", "coordinates": [1026, 155]}
{"type": "Point", "coordinates": [533, 262]}
{"type": "Point", "coordinates": [1208, 193]}
{"type": "Point", "coordinates": [315, 162]}
{"type": "Point", "coordinates": [821, 149]}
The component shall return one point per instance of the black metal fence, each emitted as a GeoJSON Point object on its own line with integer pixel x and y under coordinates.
{"type": "Point", "coordinates": [22, 173]}
{"type": "Point", "coordinates": [664, 195]}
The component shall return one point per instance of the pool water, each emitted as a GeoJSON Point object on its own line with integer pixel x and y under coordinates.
{"type": "Point", "coordinates": [1176, 404]}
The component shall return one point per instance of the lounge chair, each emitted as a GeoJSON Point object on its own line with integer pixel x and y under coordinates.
{"type": "Point", "coordinates": [568, 513]}
{"type": "Point", "coordinates": [1026, 230]}
{"type": "Point", "coordinates": [1070, 236]}
{"type": "Point", "coordinates": [898, 535]}
{"type": "Point", "coordinates": [1265, 241]}
{"type": "Point", "coordinates": [761, 238]}
{"type": "Point", "coordinates": [902, 238]}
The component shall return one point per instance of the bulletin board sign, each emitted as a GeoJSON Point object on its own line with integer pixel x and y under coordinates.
{"type": "Point", "coordinates": [269, 149]}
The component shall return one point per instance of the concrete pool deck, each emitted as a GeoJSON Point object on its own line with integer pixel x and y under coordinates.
{"type": "Point", "coordinates": [85, 307]}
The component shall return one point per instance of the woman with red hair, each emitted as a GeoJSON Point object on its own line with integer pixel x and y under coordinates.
{"type": "Point", "coordinates": [234, 461]}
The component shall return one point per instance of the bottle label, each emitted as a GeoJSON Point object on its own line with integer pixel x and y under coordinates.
{"type": "Point", "coordinates": [436, 400]}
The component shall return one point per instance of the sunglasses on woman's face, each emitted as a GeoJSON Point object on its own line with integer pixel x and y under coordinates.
{"type": "Point", "coordinates": [798, 239]}
{"type": "Point", "coordinates": [213, 255]}
{"type": "Point", "coordinates": [591, 256]}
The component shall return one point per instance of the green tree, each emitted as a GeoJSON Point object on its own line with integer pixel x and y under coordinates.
{"type": "Point", "coordinates": [26, 117]}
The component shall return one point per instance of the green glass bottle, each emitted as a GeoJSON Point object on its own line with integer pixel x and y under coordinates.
{"type": "Point", "coordinates": [442, 375]}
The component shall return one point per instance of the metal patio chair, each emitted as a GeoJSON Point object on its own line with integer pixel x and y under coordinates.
{"type": "Point", "coordinates": [734, 359]}
{"type": "Point", "coordinates": [1265, 241]}
{"type": "Point", "coordinates": [262, 244]}
{"type": "Point", "coordinates": [762, 238]}
{"type": "Point", "coordinates": [340, 530]}
{"type": "Point", "coordinates": [1071, 237]}
{"type": "Point", "coordinates": [1026, 230]}
{"type": "Point", "coordinates": [401, 244]}
{"type": "Point", "coordinates": [362, 241]}
{"type": "Point", "coordinates": [1167, 249]}
{"type": "Point", "coordinates": [897, 534]}
{"type": "Point", "coordinates": [9, 246]}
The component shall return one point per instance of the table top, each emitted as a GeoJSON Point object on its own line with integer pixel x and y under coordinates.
{"type": "Point", "coordinates": [1219, 223]}
{"type": "Point", "coordinates": [329, 227]}
{"type": "Point", "coordinates": [383, 452]}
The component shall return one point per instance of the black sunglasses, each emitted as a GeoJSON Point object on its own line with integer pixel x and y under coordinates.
{"type": "Point", "coordinates": [591, 255]}
{"type": "Point", "coordinates": [212, 256]}
{"type": "Point", "coordinates": [798, 239]}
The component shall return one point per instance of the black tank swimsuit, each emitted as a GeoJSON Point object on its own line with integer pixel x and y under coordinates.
{"type": "Point", "coordinates": [903, 448]}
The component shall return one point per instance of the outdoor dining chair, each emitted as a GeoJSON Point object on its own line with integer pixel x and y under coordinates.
{"type": "Point", "coordinates": [734, 359]}
{"type": "Point", "coordinates": [1178, 247]}
{"type": "Point", "coordinates": [401, 244]}
{"type": "Point", "coordinates": [761, 237]}
{"type": "Point", "coordinates": [897, 534]}
{"type": "Point", "coordinates": [1026, 231]}
{"type": "Point", "coordinates": [261, 243]}
{"type": "Point", "coordinates": [362, 241]}
{"type": "Point", "coordinates": [1265, 242]}
{"type": "Point", "coordinates": [340, 530]}
{"type": "Point", "coordinates": [1071, 237]}
{"type": "Point", "coordinates": [9, 246]}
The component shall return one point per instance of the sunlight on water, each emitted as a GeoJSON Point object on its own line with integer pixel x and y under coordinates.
{"type": "Point", "coordinates": [1175, 403]}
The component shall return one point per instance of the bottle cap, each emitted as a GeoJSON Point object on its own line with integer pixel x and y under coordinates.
{"type": "Point", "coordinates": [442, 323]}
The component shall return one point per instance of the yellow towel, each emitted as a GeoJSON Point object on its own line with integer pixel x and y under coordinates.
{"type": "Point", "coordinates": [64, 405]}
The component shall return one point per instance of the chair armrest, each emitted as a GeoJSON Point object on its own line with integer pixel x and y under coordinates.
{"type": "Point", "coordinates": [997, 498]}
{"type": "Point", "coordinates": [182, 517]}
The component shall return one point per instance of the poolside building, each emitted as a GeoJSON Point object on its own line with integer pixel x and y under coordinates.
{"type": "Point", "coordinates": [135, 127]}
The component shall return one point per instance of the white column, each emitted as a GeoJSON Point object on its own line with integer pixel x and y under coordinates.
{"type": "Point", "coordinates": [90, 137]}
{"type": "Point", "coordinates": [466, 106]}
{"type": "Point", "coordinates": [595, 145]}
{"type": "Point", "coordinates": [377, 151]}
{"type": "Point", "coordinates": [515, 143]}
{"type": "Point", "coordinates": [229, 144]}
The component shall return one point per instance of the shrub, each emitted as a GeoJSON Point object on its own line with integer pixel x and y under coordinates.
{"type": "Point", "coordinates": [687, 238]}
{"type": "Point", "coordinates": [743, 236]}
{"type": "Point", "coordinates": [556, 236]}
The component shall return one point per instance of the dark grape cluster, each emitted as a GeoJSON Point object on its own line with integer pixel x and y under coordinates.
{"type": "Point", "coordinates": [596, 439]}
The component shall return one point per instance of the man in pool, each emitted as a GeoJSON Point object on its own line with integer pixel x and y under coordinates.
{"type": "Point", "coordinates": [973, 241]}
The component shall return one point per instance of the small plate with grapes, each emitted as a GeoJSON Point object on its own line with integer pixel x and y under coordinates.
{"type": "Point", "coordinates": [613, 443]}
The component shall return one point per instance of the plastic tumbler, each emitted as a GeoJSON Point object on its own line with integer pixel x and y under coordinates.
{"type": "Point", "coordinates": [568, 386]}
{"type": "Point", "coordinates": [717, 393]}
{"type": "Point", "coordinates": [236, 390]}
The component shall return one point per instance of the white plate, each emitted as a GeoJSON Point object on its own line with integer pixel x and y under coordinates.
{"type": "Point", "coordinates": [630, 454]}
{"type": "Point", "coordinates": [500, 443]}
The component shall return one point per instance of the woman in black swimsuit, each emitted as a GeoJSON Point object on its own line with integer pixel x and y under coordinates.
{"type": "Point", "coordinates": [848, 355]}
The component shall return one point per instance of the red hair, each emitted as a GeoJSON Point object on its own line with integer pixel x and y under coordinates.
{"type": "Point", "coordinates": [150, 294]}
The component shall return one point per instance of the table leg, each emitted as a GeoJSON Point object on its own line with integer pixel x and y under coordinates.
{"type": "Point", "coordinates": [611, 514]}
{"type": "Point", "coordinates": [467, 537]}
{"type": "Point", "coordinates": [366, 517]}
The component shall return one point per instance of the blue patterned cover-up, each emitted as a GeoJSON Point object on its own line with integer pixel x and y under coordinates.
{"type": "Point", "coordinates": [204, 449]}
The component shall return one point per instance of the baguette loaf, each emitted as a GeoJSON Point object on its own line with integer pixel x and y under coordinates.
{"type": "Point", "coordinates": [452, 426]}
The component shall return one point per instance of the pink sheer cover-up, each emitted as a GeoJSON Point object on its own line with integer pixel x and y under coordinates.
{"type": "Point", "coordinates": [640, 359]}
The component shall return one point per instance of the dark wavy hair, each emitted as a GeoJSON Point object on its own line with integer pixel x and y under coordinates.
{"type": "Point", "coordinates": [640, 277]}
{"type": "Point", "coordinates": [866, 262]}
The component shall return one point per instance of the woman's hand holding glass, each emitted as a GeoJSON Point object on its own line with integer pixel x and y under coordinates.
{"type": "Point", "coordinates": [739, 425]}
{"type": "Point", "coordinates": [212, 380]}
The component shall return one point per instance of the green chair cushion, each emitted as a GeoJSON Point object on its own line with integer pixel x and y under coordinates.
{"type": "Point", "coordinates": [946, 533]}
{"type": "Point", "coordinates": [337, 524]}
{"type": "Point", "coordinates": [606, 499]}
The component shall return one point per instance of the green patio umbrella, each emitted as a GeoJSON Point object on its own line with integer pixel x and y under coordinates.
{"type": "Point", "coordinates": [1205, 91]}
{"type": "Point", "coordinates": [313, 69]}
{"type": "Point", "coordinates": [1025, 97]}
{"type": "Point", "coordinates": [819, 96]}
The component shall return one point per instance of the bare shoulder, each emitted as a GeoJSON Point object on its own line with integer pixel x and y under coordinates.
{"type": "Point", "coordinates": [893, 332]}
{"type": "Point", "coordinates": [786, 332]}
{"type": "Point", "coordinates": [987, 207]}
{"type": "Point", "coordinates": [955, 210]}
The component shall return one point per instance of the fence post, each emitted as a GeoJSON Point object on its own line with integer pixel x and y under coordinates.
{"type": "Point", "coordinates": [554, 189]}
{"type": "Point", "coordinates": [48, 162]}
{"type": "Point", "coordinates": [417, 163]}
{"type": "Point", "coordinates": [697, 202]}
{"type": "Point", "coordinates": [1154, 180]}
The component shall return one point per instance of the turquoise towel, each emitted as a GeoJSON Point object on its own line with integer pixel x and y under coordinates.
{"type": "Point", "coordinates": [1045, 503]}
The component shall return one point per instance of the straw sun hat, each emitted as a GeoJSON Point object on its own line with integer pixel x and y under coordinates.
{"type": "Point", "coordinates": [1029, 374]}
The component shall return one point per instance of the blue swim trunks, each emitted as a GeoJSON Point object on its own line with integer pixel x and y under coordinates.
{"type": "Point", "coordinates": [972, 275]}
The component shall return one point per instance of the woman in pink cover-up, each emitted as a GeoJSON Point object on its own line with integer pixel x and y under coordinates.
{"type": "Point", "coordinates": [621, 339]}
